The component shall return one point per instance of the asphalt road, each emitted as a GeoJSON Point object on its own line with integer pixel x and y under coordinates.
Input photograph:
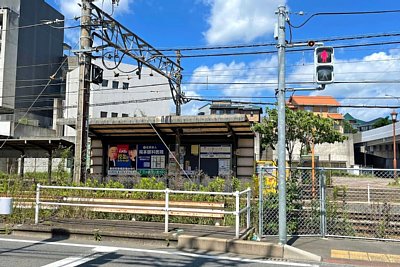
{"type": "Point", "coordinates": [68, 253]}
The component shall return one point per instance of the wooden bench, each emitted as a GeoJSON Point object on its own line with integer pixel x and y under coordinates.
{"type": "Point", "coordinates": [211, 209]}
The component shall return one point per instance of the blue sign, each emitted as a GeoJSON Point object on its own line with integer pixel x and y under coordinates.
{"type": "Point", "coordinates": [151, 156]}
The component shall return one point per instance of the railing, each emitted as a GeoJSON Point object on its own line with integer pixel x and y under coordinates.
{"type": "Point", "coordinates": [167, 209]}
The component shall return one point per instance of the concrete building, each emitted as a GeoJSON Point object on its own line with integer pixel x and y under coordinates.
{"type": "Point", "coordinates": [30, 53]}
{"type": "Point", "coordinates": [325, 106]}
{"type": "Point", "coordinates": [29, 56]}
{"type": "Point", "coordinates": [121, 94]}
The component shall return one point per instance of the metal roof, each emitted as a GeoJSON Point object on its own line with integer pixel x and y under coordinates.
{"type": "Point", "coordinates": [236, 124]}
{"type": "Point", "coordinates": [32, 147]}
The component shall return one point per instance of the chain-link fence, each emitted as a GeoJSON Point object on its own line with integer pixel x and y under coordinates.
{"type": "Point", "coordinates": [333, 202]}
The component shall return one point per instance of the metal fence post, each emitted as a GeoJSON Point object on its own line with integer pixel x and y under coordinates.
{"type": "Point", "coordinates": [323, 201]}
{"type": "Point", "coordinates": [260, 202]}
{"type": "Point", "coordinates": [248, 207]}
{"type": "Point", "coordinates": [37, 204]}
{"type": "Point", "coordinates": [237, 213]}
{"type": "Point", "coordinates": [166, 230]}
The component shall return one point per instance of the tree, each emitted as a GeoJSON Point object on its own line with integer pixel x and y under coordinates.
{"type": "Point", "coordinates": [301, 126]}
{"type": "Point", "coordinates": [381, 122]}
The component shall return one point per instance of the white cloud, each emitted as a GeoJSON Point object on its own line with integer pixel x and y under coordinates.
{"type": "Point", "coordinates": [219, 79]}
{"type": "Point", "coordinates": [70, 9]}
{"type": "Point", "coordinates": [380, 66]}
{"type": "Point", "coordinates": [238, 20]}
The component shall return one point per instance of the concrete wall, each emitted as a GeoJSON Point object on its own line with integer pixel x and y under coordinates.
{"type": "Point", "coordinates": [29, 131]}
{"type": "Point", "coordinates": [334, 153]}
{"type": "Point", "coordinates": [8, 58]}
{"type": "Point", "coordinates": [245, 158]}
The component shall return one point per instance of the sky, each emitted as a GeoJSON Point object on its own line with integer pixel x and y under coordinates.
{"type": "Point", "coordinates": [366, 69]}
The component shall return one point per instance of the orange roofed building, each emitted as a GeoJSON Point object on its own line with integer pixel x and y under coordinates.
{"type": "Point", "coordinates": [325, 106]}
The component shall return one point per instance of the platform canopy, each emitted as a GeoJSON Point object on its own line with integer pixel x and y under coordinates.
{"type": "Point", "coordinates": [213, 125]}
{"type": "Point", "coordinates": [32, 147]}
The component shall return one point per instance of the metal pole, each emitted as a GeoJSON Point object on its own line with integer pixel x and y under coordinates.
{"type": "Point", "coordinates": [37, 204]}
{"type": "Point", "coordinates": [394, 151]}
{"type": "Point", "coordinates": [260, 202]}
{"type": "Point", "coordinates": [281, 125]}
{"type": "Point", "coordinates": [178, 85]}
{"type": "Point", "coordinates": [248, 204]}
{"type": "Point", "coordinates": [166, 210]}
{"type": "Point", "coordinates": [83, 94]}
{"type": "Point", "coordinates": [237, 213]}
{"type": "Point", "coordinates": [323, 202]}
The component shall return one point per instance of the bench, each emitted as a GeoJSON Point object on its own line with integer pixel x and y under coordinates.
{"type": "Point", "coordinates": [131, 206]}
{"type": "Point", "coordinates": [138, 206]}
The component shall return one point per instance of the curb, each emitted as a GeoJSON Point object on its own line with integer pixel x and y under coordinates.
{"type": "Point", "coordinates": [293, 253]}
{"type": "Point", "coordinates": [164, 239]}
{"type": "Point", "coordinates": [262, 249]}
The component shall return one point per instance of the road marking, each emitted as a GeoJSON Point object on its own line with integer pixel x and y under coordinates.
{"type": "Point", "coordinates": [163, 252]}
{"type": "Point", "coordinates": [96, 252]}
{"type": "Point", "coordinates": [364, 256]}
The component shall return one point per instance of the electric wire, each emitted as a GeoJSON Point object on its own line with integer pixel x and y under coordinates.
{"type": "Point", "coordinates": [344, 13]}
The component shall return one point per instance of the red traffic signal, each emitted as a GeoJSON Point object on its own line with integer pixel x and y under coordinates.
{"type": "Point", "coordinates": [324, 54]}
{"type": "Point", "coordinates": [323, 59]}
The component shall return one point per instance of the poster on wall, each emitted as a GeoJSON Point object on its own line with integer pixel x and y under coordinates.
{"type": "Point", "coordinates": [216, 159]}
{"type": "Point", "coordinates": [122, 159]}
{"type": "Point", "coordinates": [152, 159]}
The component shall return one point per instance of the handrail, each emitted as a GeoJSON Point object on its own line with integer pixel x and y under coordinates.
{"type": "Point", "coordinates": [167, 209]}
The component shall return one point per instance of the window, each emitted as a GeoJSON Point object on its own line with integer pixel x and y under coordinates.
{"type": "Point", "coordinates": [219, 112]}
{"type": "Point", "coordinates": [104, 83]}
{"type": "Point", "coordinates": [115, 85]}
{"type": "Point", "coordinates": [332, 110]}
{"type": "Point", "coordinates": [124, 115]}
{"type": "Point", "coordinates": [308, 108]}
{"type": "Point", "coordinates": [125, 86]}
{"type": "Point", "coordinates": [114, 115]}
{"type": "Point", "coordinates": [103, 114]}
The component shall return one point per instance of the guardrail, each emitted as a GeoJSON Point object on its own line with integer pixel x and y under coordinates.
{"type": "Point", "coordinates": [167, 209]}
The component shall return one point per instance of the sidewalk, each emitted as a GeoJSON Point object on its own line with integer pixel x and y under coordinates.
{"type": "Point", "coordinates": [219, 238]}
{"type": "Point", "coordinates": [349, 251]}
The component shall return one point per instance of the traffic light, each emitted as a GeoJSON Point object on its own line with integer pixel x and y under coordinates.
{"type": "Point", "coordinates": [323, 61]}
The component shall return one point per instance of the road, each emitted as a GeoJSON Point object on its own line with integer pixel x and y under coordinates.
{"type": "Point", "coordinates": [15, 251]}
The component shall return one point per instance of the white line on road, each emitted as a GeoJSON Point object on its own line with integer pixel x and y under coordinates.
{"type": "Point", "coordinates": [97, 252]}
{"type": "Point", "coordinates": [108, 249]}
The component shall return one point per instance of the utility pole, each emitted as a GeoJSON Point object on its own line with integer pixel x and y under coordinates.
{"type": "Point", "coordinates": [178, 113]}
{"type": "Point", "coordinates": [82, 119]}
{"type": "Point", "coordinates": [178, 84]}
{"type": "Point", "coordinates": [282, 124]}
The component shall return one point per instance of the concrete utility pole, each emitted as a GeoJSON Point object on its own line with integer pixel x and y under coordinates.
{"type": "Point", "coordinates": [82, 119]}
{"type": "Point", "coordinates": [282, 124]}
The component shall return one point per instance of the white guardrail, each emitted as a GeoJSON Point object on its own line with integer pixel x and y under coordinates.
{"type": "Point", "coordinates": [167, 209]}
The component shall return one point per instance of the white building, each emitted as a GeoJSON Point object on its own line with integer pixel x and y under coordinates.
{"type": "Point", "coordinates": [122, 94]}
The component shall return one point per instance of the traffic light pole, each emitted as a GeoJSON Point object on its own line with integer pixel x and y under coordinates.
{"type": "Point", "coordinates": [82, 116]}
{"type": "Point", "coordinates": [282, 125]}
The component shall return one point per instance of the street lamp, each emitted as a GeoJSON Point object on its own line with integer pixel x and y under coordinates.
{"type": "Point", "coordinates": [394, 117]}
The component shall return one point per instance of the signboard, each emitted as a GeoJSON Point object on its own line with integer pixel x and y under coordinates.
{"type": "Point", "coordinates": [215, 152]}
{"type": "Point", "coordinates": [151, 159]}
{"type": "Point", "coordinates": [122, 159]}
